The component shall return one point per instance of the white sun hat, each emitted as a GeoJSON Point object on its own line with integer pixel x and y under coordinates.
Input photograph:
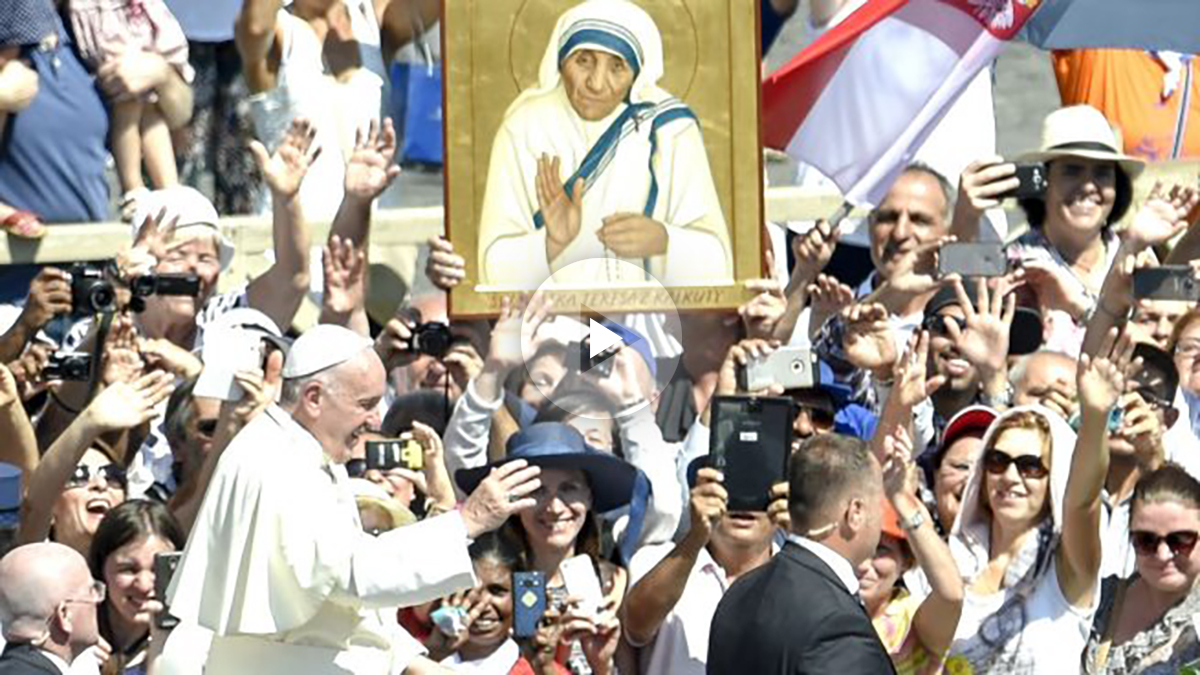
{"type": "Point", "coordinates": [1082, 131]}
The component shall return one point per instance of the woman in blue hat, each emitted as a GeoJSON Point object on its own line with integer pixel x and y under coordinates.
{"type": "Point", "coordinates": [577, 483]}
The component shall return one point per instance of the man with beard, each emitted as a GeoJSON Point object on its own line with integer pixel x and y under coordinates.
{"type": "Point", "coordinates": [677, 587]}
{"type": "Point", "coordinates": [973, 329]}
{"type": "Point", "coordinates": [278, 566]}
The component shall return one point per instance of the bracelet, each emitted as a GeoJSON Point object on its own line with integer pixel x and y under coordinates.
{"type": "Point", "coordinates": [62, 404]}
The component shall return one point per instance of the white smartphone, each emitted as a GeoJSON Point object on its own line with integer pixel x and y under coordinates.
{"type": "Point", "coordinates": [579, 577]}
{"type": "Point", "coordinates": [227, 352]}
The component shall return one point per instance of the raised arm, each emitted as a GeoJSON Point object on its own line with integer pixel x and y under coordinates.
{"type": "Point", "coordinates": [49, 296]}
{"type": "Point", "coordinates": [1101, 381]}
{"type": "Point", "coordinates": [255, 33]}
{"type": "Point", "coordinates": [120, 406]}
{"type": "Point", "coordinates": [279, 291]}
{"type": "Point", "coordinates": [655, 595]}
{"type": "Point", "coordinates": [937, 617]}
{"type": "Point", "coordinates": [343, 303]}
{"type": "Point", "coordinates": [20, 446]}
{"type": "Point", "coordinates": [369, 171]}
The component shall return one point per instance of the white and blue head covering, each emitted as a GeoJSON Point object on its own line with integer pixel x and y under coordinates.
{"type": "Point", "coordinates": [617, 27]}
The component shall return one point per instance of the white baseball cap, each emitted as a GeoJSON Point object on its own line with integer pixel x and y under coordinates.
{"type": "Point", "coordinates": [189, 208]}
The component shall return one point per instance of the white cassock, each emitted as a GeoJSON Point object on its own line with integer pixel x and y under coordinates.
{"type": "Point", "coordinates": [278, 567]}
{"type": "Point", "coordinates": [647, 157]}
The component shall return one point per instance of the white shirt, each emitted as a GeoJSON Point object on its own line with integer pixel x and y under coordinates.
{"type": "Point", "coordinates": [840, 566]}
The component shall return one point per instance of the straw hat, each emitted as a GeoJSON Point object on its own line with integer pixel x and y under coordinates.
{"type": "Point", "coordinates": [1082, 131]}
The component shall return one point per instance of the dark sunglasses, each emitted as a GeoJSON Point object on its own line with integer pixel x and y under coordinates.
{"type": "Point", "coordinates": [1181, 542]}
{"type": "Point", "coordinates": [356, 468]}
{"type": "Point", "coordinates": [936, 324]}
{"type": "Point", "coordinates": [113, 475]}
{"type": "Point", "coordinates": [1029, 466]}
{"type": "Point", "coordinates": [206, 428]}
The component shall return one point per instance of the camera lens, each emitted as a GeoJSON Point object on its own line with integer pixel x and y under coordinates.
{"type": "Point", "coordinates": [101, 297]}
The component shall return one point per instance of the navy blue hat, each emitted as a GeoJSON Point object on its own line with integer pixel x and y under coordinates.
{"type": "Point", "coordinates": [27, 22]}
{"type": "Point", "coordinates": [553, 445]}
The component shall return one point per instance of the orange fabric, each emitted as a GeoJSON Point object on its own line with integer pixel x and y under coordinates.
{"type": "Point", "coordinates": [1127, 85]}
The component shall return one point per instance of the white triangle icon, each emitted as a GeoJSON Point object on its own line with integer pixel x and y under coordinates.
{"type": "Point", "coordinates": [600, 338]}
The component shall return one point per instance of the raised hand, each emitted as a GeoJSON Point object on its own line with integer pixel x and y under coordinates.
{"type": "Point", "coordinates": [436, 478]}
{"type": "Point", "coordinates": [505, 492]}
{"type": "Point", "coordinates": [1162, 216]}
{"type": "Point", "coordinates": [899, 471]}
{"type": "Point", "coordinates": [344, 266]}
{"type": "Point", "coordinates": [394, 342]}
{"type": "Point", "coordinates": [915, 273]}
{"type": "Point", "coordinates": [984, 339]}
{"type": "Point", "coordinates": [1101, 379]}
{"type": "Point", "coordinates": [981, 186]}
{"type": "Point", "coordinates": [761, 314]}
{"type": "Point", "coordinates": [738, 356]}
{"type": "Point", "coordinates": [149, 244]}
{"type": "Point", "coordinates": [1143, 428]}
{"type": "Point", "coordinates": [284, 170]}
{"type": "Point", "coordinates": [506, 349]}
{"type": "Point", "coordinates": [1056, 289]}
{"type": "Point", "coordinates": [123, 405]}
{"type": "Point", "coordinates": [166, 355]}
{"type": "Point", "coordinates": [9, 392]}
{"type": "Point", "coordinates": [777, 510]}
{"type": "Point", "coordinates": [444, 268]}
{"type": "Point", "coordinates": [259, 390]}
{"type": "Point", "coordinates": [708, 503]}
{"type": "Point", "coordinates": [122, 360]}
{"type": "Point", "coordinates": [828, 296]}
{"type": "Point", "coordinates": [868, 340]}
{"type": "Point", "coordinates": [812, 250]}
{"type": "Point", "coordinates": [49, 295]}
{"type": "Point", "coordinates": [561, 213]}
{"type": "Point", "coordinates": [911, 384]}
{"type": "Point", "coordinates": [370, 168]}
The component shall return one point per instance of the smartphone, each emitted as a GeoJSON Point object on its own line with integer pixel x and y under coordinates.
{"type": "Point", "coordinates": [529, 595]}
{"type": "Point", "coordinates": [750, 443]}
{"type": "Point", "coordinates": [227, 352]}
{"type": "Point", "coordinates": [450, 620]}
{"type": "Point", "coordinates": [391, 453]}
{"type": "Point", "coordinates": [164, 570]}
{"type": "Point", "coordinates": [792, 367]}
{"type": "Point", "coordinates": [973, 259]}
{"type": "Point", "coordinates": [580, 358]}
{"type": "Point", "coordinates": [579, 577]}
{"type": "Point", "coordinates": [1033, 179]}
{"type": "Point", "coordinates": [1168, 282]}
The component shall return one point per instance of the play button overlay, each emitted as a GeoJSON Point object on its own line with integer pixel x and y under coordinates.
{"type": "Point", "coordinates": [590, 366]}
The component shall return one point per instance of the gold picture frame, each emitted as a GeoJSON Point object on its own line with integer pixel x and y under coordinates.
{"type": "Point", "coordinates": [491, 53]}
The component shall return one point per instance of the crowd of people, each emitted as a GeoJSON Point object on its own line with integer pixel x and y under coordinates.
{"type": "Point", "coordinates": [990, 474]}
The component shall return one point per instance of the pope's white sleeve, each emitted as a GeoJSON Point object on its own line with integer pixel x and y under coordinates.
{"type": "Point", "coordinates": [468, 432]}
{"type": "Point", "coordinates": [412, 564]}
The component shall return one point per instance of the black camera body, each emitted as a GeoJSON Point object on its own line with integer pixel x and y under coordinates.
{"type": "Point", "coordinates": [72, 366]}
{"type": "Point", "coordinates": [145, 285]}
{"type": "Point", "coordinates": [91, 291]}
{"type": "Point", "coordinates": [432, 339]}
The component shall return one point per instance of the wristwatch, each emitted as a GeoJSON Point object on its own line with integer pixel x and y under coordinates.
{"type": "Point", "coordinates": [1004, 400]}
{"type": "Point", "coordinates": [917, 519]}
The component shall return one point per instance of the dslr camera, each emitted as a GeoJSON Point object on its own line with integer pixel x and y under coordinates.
{"type": "Point", "coordinates": [91, 290]}
{"type": "Point", "coordinates": [72, 366]}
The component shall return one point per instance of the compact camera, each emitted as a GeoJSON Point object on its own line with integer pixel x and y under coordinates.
{"type": "Point", "coordinates": [73, 366]}
{"type": "Point", "coordinates": [91, 291]}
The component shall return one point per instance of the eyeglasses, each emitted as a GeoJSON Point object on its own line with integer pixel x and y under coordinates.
{"type": "Point", "coordinates": [936, 324]}
{"type": "Point", "coordinates": [113, 475]}
{"type": "Point", "coordinates": [1029, 466]}
{"type": "Point", "coordinates": [1187, 348]}
{"type": "Point", "coordinates": [97, 592]}
{"type": "Point", "coordinates": [1180, 542]}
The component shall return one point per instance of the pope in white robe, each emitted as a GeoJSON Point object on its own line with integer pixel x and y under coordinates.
{"type": "Point", "coordinates": [635, 152]}
{"type": "Point", "coordinates": [277, 565]}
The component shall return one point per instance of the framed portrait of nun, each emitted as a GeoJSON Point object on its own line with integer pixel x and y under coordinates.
{"type": "Point", "coordinates": [605, 151]}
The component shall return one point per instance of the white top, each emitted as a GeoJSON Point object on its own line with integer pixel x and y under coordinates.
{"type": "Point", "coordinates": [307, 591]}
{"type": "Point", "coordinates": [840, 566]}
{"type": "Point", "coordinates": [498, 662]}
{"type": "Point", "coordinates": [1045, 634]}
{"type": "Point", "coordinates": [337, 109]}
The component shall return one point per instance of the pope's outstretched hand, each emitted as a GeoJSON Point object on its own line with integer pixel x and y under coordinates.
{"type": "Point", "coordinates": [506, 490]}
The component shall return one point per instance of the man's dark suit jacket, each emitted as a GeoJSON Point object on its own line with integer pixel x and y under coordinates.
{"type": "Point", "coordinates": [790, 616]}
{"type": "Point", "coordinates": [25, 659]}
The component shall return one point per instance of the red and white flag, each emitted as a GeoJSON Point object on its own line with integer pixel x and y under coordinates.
{"type": "Point", "coordinates": [860, 101]}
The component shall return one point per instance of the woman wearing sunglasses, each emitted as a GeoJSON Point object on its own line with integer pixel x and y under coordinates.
{"type": "Point", "coordinates": [1027, 537]}
{"type": "Point", "coordinates": [1145, 624]}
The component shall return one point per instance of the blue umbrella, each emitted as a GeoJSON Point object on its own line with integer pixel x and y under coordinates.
{"type": "Point", "coordinates": [1120, 24]}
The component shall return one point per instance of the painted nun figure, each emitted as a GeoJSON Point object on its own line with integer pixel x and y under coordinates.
{"type": "Point", "coordinates": [597, 163]}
